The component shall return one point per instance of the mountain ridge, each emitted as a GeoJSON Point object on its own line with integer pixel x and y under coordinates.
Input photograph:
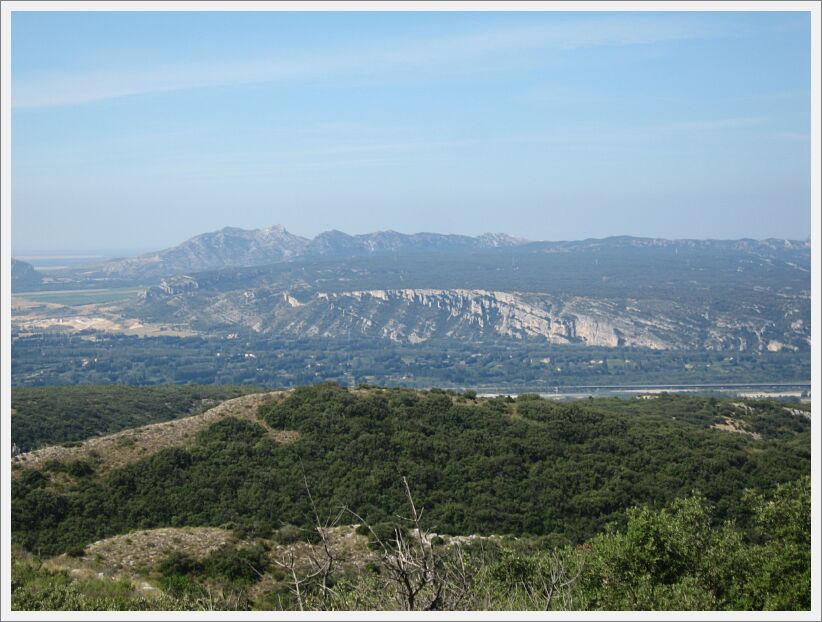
{"type": "Point", "coordinates": [233, 247]}
{"type": "Point", "coordinates": [634, 293]}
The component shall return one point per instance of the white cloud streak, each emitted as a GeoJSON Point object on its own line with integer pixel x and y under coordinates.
{"type": "Point", "coordinates": [80, 87]}
{"type": "Point", "coordinates": [373, 152]}
{"type": "Point", "coordinates": [712, 124]}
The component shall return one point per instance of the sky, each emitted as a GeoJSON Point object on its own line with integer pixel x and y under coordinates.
{"type": "Point", "coordinates": [135, 131]}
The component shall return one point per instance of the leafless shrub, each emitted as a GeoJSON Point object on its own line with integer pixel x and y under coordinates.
{"type": "Point", "coordinates": [419, 573]}
{"type": "Point", "coordinates": [322, 559]}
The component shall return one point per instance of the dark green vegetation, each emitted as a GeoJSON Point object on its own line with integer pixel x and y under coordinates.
{"type": "Point", "coordinates": [50, 416]}
{"type": "Point", "coordinates": [678, 557]}
{"type": "Point", "coordinates": [63, 359]}
{"type": "Point", "coordinates": [496, 466]}
{"type": "Point", "coordinates": [239, 566]}
{"type": "Point", "coordinates": [36, 588]}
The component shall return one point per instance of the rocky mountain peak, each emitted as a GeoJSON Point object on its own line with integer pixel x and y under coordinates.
{"type": "Point", "coordinates": [275, 230]}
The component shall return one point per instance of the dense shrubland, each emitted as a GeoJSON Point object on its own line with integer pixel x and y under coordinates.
{"type": "Point", "coordinates": [671, 558]}
{"type": "Point", "coordinates": [604, 504]}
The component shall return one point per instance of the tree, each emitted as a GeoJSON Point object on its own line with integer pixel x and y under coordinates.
{"type": "Point", "coordinates": [783, 579]}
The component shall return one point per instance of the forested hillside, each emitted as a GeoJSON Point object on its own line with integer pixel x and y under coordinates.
{"type": "Point", "coordinates": [674, 558]}
{"type": "Point", "coordinates": [525, 466]}
{"type": "Point", "coordinates": [540, 483]}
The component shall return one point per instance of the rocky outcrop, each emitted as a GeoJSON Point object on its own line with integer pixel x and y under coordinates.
{"type": "Point", "coordinates": [739, 295]}
{"type": "Point", "coordinates": [418, 315]}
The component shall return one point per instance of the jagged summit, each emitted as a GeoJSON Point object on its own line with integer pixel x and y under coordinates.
{"type": "Point", "coordinates": [225, 248]}
{"type": "Point", "coordinates": [233, 247]}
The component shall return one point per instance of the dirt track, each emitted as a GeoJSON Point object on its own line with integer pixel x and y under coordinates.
{"type": "Point", "coordinates": [121, 448]}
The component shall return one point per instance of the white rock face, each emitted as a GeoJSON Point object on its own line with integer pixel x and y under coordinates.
{"type": "Point", "coordinates": [629, 292]}
{"type": "Point", "coordinates": [291, 300]}
{"type": "Point", "coordinates": [416, 315]}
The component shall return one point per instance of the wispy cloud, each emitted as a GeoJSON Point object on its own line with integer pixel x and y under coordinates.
{"type": "Point", "coordinates": [710, 124]}
{"type": "Point", "coordinates": [84, 87]}
{"type": "Point", "coordinates": [368, 154]}
{"type": "Point", "coordinates": [78, 87]}
{"type": "Point", "coordinates": [791, 136]}
{"type": "Point", "coordinates": [635, 133]}
{"type": "Point", "coordinates": [386, 145]}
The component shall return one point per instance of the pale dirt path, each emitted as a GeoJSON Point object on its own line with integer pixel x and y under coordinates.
{"type": "Point", "coordinates": [121, 448]}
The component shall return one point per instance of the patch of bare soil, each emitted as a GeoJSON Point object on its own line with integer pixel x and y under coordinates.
{"type": "Point", "coordinates": [735, 426]}
{"type": "Point", "coordinates": [134, 556]}
{"type": "Point", "coordinates": [141, 551]}
{"type": "Point", "coordinates": [36, 316]}
{"type": "Point", "coordinates": [121, 448]}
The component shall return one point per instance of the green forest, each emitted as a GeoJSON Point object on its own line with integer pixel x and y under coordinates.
{"type": "Point", "coordinates": [88, 358]}
{"type": "Point", "coordinates": [646, 496]}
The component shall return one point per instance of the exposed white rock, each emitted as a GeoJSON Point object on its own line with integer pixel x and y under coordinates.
{"type": "Point", "coordinates": [414, 315]}
{"type": "Point", "coordinates": [291, 300]}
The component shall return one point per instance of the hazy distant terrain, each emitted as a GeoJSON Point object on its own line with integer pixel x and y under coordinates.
{"type": "Point", "coordinates": [422, 309]}
{"type": "Point", "coordinates": [24, 276]}
{"type": "Point", "coordinates": [232, 247]}
{"type": "Point", "coordinates": [660, 294]}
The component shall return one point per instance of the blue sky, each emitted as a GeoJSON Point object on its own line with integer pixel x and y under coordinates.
{"type": "Point", "coordinates": [138, 130]}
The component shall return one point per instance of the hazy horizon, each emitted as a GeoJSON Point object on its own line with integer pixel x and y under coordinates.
{"type": "Point", "coordinates": [141, 130]}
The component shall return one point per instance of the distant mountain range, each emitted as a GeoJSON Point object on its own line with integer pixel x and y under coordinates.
{"type": "Point", "coordinates": [653, 293]}
{"type": "Point", "coordinates": [637, 292]}
{"type": "Point", "coordinates": [232, 248]}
